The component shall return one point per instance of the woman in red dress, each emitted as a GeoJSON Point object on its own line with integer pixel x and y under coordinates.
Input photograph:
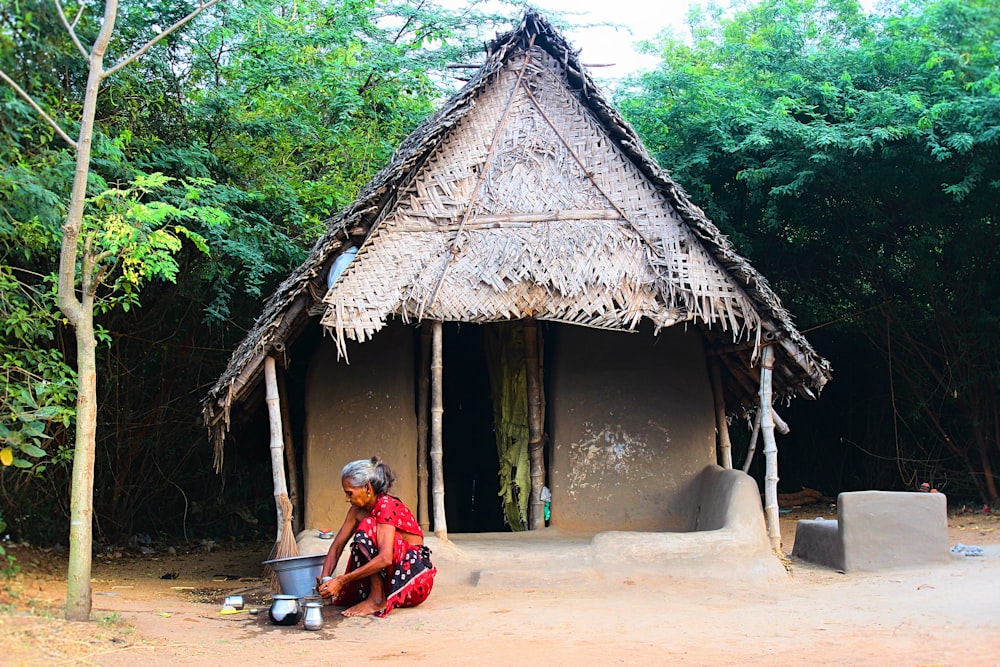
{"type": "Point", "coordinates": [389, 566]}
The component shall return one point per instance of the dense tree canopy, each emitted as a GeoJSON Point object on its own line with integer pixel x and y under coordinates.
{"type": "Point", "coordinates": [271, 115]}
{"type": "Point", "coordinates": [856, 160]}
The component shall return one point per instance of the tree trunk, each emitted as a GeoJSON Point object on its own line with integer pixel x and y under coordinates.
{"type": "Point", "coordinates": [79, 310]}
{"type": "Point", "coordinates": [79, 594]}
{"type": "Point", "coordinates": [983, 444]}
{"type": "Point", "coordinates": [991, 483]}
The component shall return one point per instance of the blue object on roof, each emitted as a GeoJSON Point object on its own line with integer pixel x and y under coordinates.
{"type": "Point", "coordinates": [339, 264]}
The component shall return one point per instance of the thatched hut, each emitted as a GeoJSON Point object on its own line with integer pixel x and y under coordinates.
{"type": "Point", "coordinates": [502, 305]}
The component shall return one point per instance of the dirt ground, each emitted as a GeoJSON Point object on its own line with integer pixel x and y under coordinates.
{"type": "Point", "coordinates": [163, 609]}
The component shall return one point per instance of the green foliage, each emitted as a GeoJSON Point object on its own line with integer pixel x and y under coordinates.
{"type": "Point", "coordinates": [133, 239]}
{"type": "Point", "coordinates": [8, 566]}
{"type": "Point", "coordinates": [852, 157]}
{"type": "Point", "coordinates": [38, 388]}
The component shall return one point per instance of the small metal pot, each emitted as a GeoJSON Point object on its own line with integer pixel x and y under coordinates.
{"type": "Point", "coordinates": [313, 619]}
{"type": "Point", "coordinates": [234, 601]}
{"type": "Point", "coordinates": [285, 610]}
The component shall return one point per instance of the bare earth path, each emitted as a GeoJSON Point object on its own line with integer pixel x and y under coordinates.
{"type": "Point", "coordinates": [945, 615]}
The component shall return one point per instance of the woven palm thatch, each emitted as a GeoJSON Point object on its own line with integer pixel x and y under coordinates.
{"type": "Point", "coordinates": [527, 195]}
{"type": "Point", "coordinates": [527, 210]}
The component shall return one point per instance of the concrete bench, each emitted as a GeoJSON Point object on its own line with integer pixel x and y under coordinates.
{"type": "Point", "coordinates": [877, 530]}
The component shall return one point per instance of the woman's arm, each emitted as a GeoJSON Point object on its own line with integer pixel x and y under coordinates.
{"type": "Point", "coordinates": [339, 542]}
{"type": "Point", "coordinates": [386, 534]}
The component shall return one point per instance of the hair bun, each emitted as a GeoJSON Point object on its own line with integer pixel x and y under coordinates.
{"type": "Point", "coordinates": [369, 471]}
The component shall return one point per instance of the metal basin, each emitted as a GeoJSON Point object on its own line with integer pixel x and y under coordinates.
{"type": "Point", "coordinates": [297, 575]}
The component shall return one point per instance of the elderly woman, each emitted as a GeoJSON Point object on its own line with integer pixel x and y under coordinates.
{"type": "Point", "coordinates": [389, 565]}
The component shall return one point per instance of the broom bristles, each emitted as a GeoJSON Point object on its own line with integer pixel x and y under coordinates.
{"type": "Point", "coordinates": [285, 546]}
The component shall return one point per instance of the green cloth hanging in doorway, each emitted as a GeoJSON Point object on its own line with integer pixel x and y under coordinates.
{"type": "Point", "coordinates": [509, 387]}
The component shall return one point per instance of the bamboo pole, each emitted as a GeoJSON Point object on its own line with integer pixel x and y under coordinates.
{"type": "Point", "coordinates": [770, 449]}
{"type": "Point", "coordinates": [284, 544]}
{"type": "Point", "coordinates": [423, 405]}
{"type": "Point", "coordinates": [753, 442]}
{"type": "Point", "coordinates": [290, 461]}
{"type": "Point", "coordinates": [779, 425]}
{"type": "Point", "coordinates": [437, 452]}
{"type": "Point", "coordinates": [721, 425]}
{"type": "Point", "coordinates": [274, 422]}
{"type": "Point", "coordinates": [536, 442]}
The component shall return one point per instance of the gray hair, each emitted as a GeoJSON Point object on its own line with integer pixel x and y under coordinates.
{"type": "Point", "coordinates": [369, 471]}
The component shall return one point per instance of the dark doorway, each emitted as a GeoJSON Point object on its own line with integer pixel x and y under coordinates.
{"type": "Point", "coordinates": [471, 466]}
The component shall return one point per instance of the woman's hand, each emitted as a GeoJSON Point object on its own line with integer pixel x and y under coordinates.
{"type": "Point", "coordinates": [331, 587]}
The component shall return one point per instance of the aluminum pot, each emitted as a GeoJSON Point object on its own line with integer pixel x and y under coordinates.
{"type": "Point", "coordinates": [313, 619]}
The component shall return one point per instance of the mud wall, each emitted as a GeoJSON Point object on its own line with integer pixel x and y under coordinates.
{"type": "Point", "coordinates": [353, 411]}
{"type": "Point", "coordinates": [631, 425]}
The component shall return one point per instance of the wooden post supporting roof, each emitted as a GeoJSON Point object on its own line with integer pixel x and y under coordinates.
{"type": "Point", "coordinates": [437, 451]}
{"type": "Point", "coordinates": [770, 449]}
{"type": "Point", "coordinates": [753, 442]}
{"type": "Point", "coordinates": [536, 441]}
{"type": "Point", "coordinates": [721, 424]}
{"type": "Point", "coordinates": [423, 405]}
{"type": "Point", "coordinates": [277, 442]}
{"type": "Point", "coordinates": [290, 459]}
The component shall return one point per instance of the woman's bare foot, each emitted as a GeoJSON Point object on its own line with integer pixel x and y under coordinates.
{"type": "Point", "coordinates": [365, 608]}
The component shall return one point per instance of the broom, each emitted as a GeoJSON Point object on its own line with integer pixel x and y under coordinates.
{"type": "Point", "coordinates": [285, 546]}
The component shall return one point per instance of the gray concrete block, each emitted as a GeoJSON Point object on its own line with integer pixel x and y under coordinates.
{"type": "Point", "coordinates": [818, 541]}
{"type": "Point", "coordinates": [883, 529]}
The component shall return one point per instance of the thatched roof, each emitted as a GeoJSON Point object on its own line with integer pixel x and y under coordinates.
{"type": "Point", "coordinates": [528, 195]}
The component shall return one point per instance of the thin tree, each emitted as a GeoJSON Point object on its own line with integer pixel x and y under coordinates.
{"type": "Point", "coordinates": [77, 302]}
